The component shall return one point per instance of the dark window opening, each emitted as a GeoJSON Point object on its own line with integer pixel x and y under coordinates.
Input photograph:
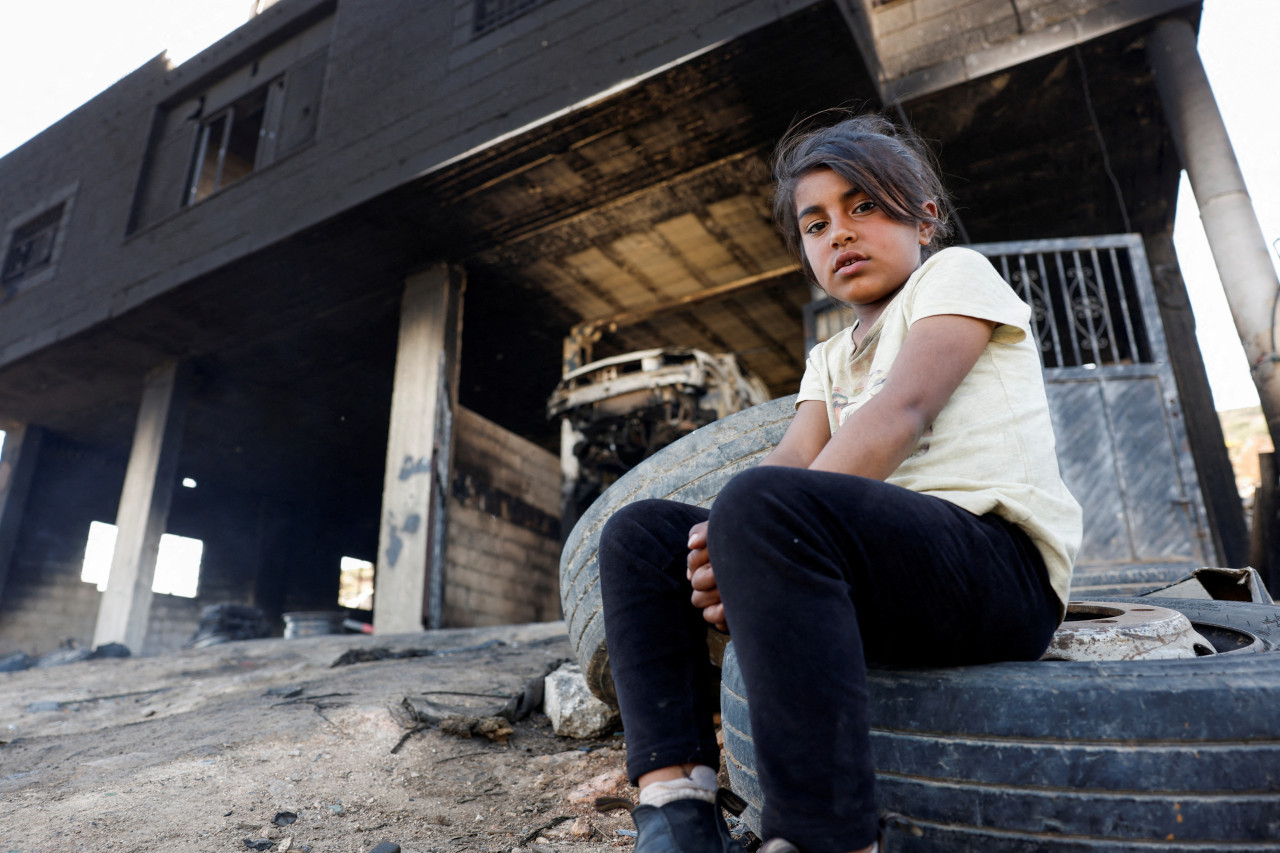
{"type": "Point", "coordinates": [230, 145]}
{"type": "Point", "coordinates": [31, 247]}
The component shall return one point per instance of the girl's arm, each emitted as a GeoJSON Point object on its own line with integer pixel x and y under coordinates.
{"type": "Point", "coordinates": [936, 356]}
{"type": "Point", "coordinates": [804, 439]}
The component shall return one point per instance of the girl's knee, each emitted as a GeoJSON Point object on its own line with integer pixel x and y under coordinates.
{"type": "Point", "coordinates": [646, 532]}
{"type": "Point", "coordinates": [761, 497]}
{"type": "Point", "coordinates": [743, 495]}
{"type": "Point", "coordinates": [627, 520]}
{"type": "Point", "coordinates": [627, 526]}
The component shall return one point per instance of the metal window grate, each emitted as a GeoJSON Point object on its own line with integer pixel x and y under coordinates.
{"type": "Point", "coordinates": [491, 14]}
{"type": "Point", "coordinates": [1085, 308]}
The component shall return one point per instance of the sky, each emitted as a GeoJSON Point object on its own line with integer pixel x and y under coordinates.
{"type": "Point", "coordinates": [57, 54]}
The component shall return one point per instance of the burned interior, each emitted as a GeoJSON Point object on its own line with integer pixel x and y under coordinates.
{"type": "Point", "coordinates": [635, 218]}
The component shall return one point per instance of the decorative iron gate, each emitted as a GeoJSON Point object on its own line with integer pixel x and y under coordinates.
{"type": "Point", "coordinates": [1122, 445]}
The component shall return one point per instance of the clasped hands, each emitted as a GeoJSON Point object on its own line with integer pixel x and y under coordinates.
{"type": "Point", "coordinates": [706, 596]}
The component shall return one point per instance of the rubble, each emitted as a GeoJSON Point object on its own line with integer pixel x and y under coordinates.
{"type": "Point", "coordinates": [225, 753]}
{"type": "Point", "coordinates": [573, 711]}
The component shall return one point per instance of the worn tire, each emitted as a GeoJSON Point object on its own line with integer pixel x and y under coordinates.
{"type": "Point", "coordinates": [1070, 756]}
{"type": "Point", "coordinates": [693, 470]}
{"type": "Point", "coordinates": [1090, 582]}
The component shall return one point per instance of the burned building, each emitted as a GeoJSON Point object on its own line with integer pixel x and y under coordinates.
{"type": "Point", "coordinates": [328, 271]}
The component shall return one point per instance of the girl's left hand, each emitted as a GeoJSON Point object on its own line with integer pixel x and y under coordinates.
{"type": "Point", "coordinates": [706, 595]}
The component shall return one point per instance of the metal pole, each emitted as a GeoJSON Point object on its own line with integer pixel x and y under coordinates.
{"type": "Point", "coordinates": [1235, 238]}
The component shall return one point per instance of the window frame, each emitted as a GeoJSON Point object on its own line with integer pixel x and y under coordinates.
{"type": "Point", "coordinates": [58, 207]}
{"type": "Point", "coordinates": [273, 94]}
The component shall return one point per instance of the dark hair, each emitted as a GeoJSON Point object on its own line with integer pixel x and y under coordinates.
{"type": "Point", "coordinates": [888, 163]}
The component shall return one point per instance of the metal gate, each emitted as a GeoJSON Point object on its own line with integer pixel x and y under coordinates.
{"type": "Point", "coordinates": [1122, 445]}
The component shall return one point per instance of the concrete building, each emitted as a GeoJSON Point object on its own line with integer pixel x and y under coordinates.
{"type": "Point", "coordinates": [326, 270]}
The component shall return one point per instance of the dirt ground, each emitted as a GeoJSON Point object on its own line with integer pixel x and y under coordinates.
{"type": "Point", "coordinates": [200, 750]}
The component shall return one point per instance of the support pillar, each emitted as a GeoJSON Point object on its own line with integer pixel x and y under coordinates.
{"type": "Point", "coordinates": [1204, 430]}
{"type": "Point", "coordinates": [144, 509]}
{"type": "Point", "coordinates": [409, 577]}
{"type": "Point", "coordinates": [1230, 223]}
{"type": "Point", "coordinates": [17, 469]}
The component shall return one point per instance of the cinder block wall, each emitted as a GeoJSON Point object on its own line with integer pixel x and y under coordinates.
{"type": "Point", "coordinates": [915, 34]}
{"type": "Point", "coordinates": [503, 552]}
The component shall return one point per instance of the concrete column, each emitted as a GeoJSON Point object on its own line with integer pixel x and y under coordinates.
{"type": "Point", "coordinates": [1204, 430]}
{"type": "Point", "coordinates": [1235, 238]}
{"type": "Point", "coordinates": [17, 468]}
{"type": "Point", "coordinates": [409, 577]}
{"type": "Point", "coordinates": [144, 509]}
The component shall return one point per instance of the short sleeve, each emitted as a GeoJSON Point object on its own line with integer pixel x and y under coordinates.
{"type": "Point", "coordinates": [962, 281]}
{"type": "Point", "coordinates": [813, 385]}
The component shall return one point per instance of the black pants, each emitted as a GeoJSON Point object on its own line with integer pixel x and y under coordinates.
{"type": "Point", "coordinates": [819, 574]}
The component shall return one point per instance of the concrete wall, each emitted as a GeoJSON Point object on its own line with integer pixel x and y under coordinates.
{"type": "Point", "coordinates": [406, 89]}
{"type": "Point", "coordinates": [914, 34]}
{"type": "Point", "coordinates": [503, 553]}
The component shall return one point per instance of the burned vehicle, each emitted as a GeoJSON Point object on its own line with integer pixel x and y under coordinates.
{"type": "Point", "coordinates": [620, 410]}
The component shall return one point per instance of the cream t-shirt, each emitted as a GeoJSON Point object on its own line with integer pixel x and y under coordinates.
{"type": "Point", "coordinates": [991, 448]}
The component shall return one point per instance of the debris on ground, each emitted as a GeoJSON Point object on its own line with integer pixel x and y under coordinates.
{"type": "Point", "coordinates": [607, 786]}
{"type": "Point", "coordinates": [493, 721]}
{"type": "Point", "coordinates": [573, 710]}
{"type": "Point", "coordinates": [219, 745]}
{"type": "Point", "coordinates": [70, 652]}
{"type": "Point", "coordinates": [225, 623]}
{"type": "Point", "coordinates": [495, 729]}
{"type": "Point", "coordinates": [378, 653]}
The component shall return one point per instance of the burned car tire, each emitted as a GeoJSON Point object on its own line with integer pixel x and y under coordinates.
{"type": "Point", "coordinates": [1072, 756]}
{"type": "Point", "coordinates": [693, 470]}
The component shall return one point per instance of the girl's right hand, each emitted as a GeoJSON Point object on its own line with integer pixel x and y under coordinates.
{"type": "Point", "coordinates": [706, 596]}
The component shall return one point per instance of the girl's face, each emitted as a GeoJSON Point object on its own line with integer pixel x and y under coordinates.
{"type": "Point", "coordinates": [858, 253]}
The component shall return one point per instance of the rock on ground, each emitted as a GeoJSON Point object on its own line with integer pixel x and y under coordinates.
{"type": "Point", "coordinates": [573, 710]}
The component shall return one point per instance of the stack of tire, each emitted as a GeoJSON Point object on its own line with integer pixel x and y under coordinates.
{"type": "Point", "coordinates": [1168, 755]}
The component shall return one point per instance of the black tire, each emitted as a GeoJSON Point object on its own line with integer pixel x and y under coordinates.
{"type": "Point", "coordinates": [1090, 582]}
{"type": "Point", "coordinates": [1073, 756]}
{"type": "Point", "coordinates": [693, 470]}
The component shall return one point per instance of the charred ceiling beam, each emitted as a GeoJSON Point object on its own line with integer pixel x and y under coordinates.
{"type": "Point", "coordinates": [579, 342]}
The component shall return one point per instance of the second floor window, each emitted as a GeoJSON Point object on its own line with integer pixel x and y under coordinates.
{"type": "Point", "coordinates": [235, 141]}
{"type": "Point", "coordinates": [31, 247]}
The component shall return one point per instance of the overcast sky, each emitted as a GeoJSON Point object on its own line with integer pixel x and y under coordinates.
{"type": "Point", "coordinates": [57, 54]}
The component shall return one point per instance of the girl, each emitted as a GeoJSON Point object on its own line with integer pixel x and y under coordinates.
{"type": "Point", "coordinates": [913, 513]}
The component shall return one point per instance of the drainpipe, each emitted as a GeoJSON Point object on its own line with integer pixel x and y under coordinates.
{"type": "Point", "coordinates": [1235, 238]}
